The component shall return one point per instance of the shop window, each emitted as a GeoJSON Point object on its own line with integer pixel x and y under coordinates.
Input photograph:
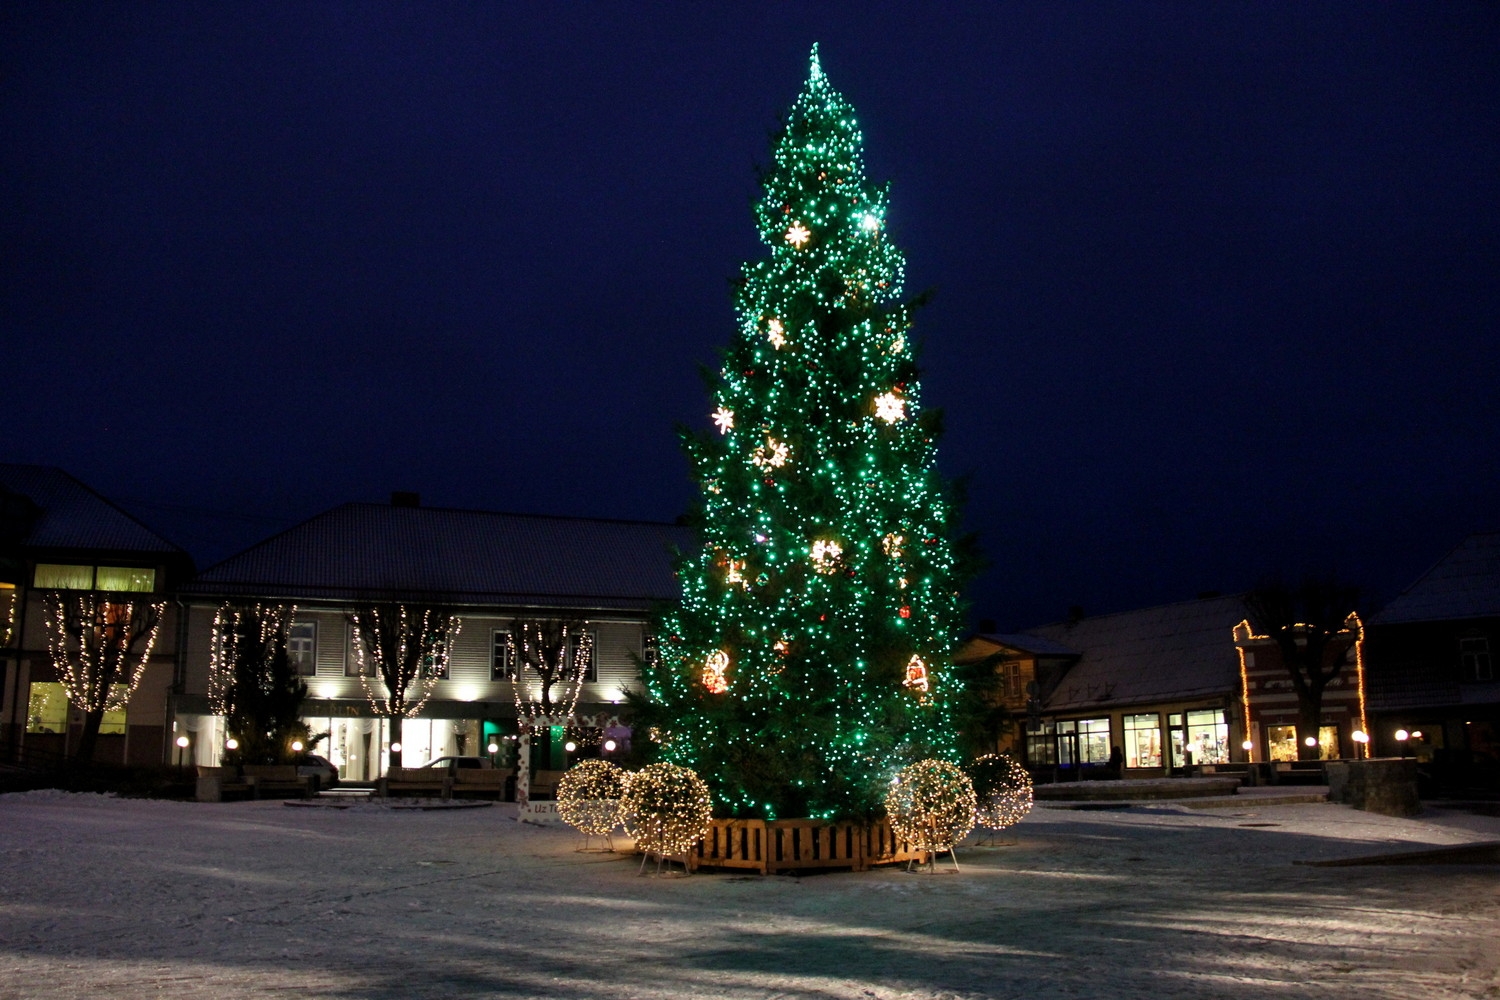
{"type": "Point", "coordinates": [1093, 741]}
{"type": "Point", "coordinates": [1067, 744]}
{"type": "Point", "coordinates": [131, 579]}
{"type": "Point", "coordinates": [502, 667]}
{"type": "Point", "coordinates": [1143, 740]}
{"type": "Point", "coordinates": [1474, 655]}
{"type": "Point", "coordinates": [1202, 733]}
{"type": "Point", "coordinates": [47, 711]}
{"type": "Point", "coordinates": [1281, 743]}
{"type": "Point", "coordinates": [1041, 745]}
{"type": "Point", "coordinates": [302, 647]}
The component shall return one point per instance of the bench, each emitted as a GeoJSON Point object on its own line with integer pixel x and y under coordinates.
{"type": "Point", "coordinates": [481, 782]}
{"type": "Point", "coordinates": [415, 781]}
{"type": "Point", "coordinates": [215, 783]}
{"type": "Point", "coordinates": [544, 784]}
{"type": "Point", "coordinates": [272, 781]}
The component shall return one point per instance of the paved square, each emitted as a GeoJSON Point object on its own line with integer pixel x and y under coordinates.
{"type": "Point", "coordinates": [159, 899]}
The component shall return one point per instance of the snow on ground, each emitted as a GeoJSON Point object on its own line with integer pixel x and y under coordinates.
{"type": "Point", "coordinates": [126, 898]}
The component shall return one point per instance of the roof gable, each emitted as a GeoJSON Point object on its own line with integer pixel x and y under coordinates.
{"type": "Point", "coordinates": [72, 516]}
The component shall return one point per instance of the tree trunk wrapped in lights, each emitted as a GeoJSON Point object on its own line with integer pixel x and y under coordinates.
{"type": "Point", "coordinates": [404, 649]}
{"type": "Point", "coordinates": [255, 686]}
{"type": "Point", "coordinates": [555, 651]}
{"type": "Point", "coordinates": [809, 658]}
{"type": "Point", "coordinates": [100, 644]}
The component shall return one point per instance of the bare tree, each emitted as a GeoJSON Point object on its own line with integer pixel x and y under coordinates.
{"type": "Point", "coordinates": [406, 649]}
{"type": "Point", "coordinates": [1311, 625]}
{"type": "Point", "coordinates": [557, 651]}
{"type": "Point", "coordinates": [99, 644]}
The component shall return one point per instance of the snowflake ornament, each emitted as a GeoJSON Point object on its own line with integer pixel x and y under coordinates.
{"type": "Point", "coordinates": [724, 420]}
{"type": "Point", "coordinates": [776, 334]}
{"type": "Point", "coordinates": [825, 555]}
{"type": "Point", "coordinates": [798, 235]}
{"type": "Point", "coordinates": [890, 407]}
{"type": "Point", "coordinates": [771, 455]}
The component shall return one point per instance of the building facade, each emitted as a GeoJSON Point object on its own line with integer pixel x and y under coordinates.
{"type": "Point", "coordinates": [58, 536]}
{"type": "Point", "coordinates": [488, 568]}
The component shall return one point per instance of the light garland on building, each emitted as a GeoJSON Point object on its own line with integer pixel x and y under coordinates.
{"type": "Point", "coordinates": [931, 805]}
{"type": "Point", "coordinates": [1002, 790]}
{"type": "Point", "coordinates": [92, 639]}
{"type": "Point", "coordinates": [668, 809]}
{"type": "Point", "coordinates": [589, 796]}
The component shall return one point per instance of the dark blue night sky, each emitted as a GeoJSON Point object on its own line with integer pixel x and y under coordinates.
{"type": "Point", "coordinates": [1216, 285]}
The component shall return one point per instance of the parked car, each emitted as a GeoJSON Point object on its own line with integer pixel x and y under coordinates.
{"type": "Point", "coordinates": [319, 767]}
{"type": "Point", "coordinates": [465, 763]}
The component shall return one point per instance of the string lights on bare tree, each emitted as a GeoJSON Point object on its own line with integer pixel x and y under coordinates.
{"type": "Point", "coordinates": [100, 644]}
{"type": "Point", "coordinates": [404, 649]}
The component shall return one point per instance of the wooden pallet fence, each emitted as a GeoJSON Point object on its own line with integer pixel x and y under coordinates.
{"type": "Point", "coordinates": [797, 845]}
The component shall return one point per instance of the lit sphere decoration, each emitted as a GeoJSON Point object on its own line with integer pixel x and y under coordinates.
{"type": "Point", "coordinates": [931, 805]}
{"type": "Point", "coordinates": [668, 807]}
{"type": "Point", "coordinates": [1002, 788]}
{"type": "Point", "coordinates": [589, 794]}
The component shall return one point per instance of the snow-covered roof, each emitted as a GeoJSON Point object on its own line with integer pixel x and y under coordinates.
{"type": "Point", "coordinates": [1175, 651]}
{"type": "Point", "coordinates": [70, 516]}
{"type": "Point", "coordinates": [1034, 644]}
{"type": "Point", "coordinates": [1464, 584]}
{"type": "Point", "coordinates": [376, 551]}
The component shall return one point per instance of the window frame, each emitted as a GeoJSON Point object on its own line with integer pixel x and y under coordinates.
{"type": "Point", "coordinates": [1476, 662]}
{"type": "Point", "coordinates": [311, 669]}
{"type": "Point", "coordinates": [500, 648]}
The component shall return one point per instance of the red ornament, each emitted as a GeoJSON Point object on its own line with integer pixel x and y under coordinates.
{"type": "Point", "coordinates": [906, 611]}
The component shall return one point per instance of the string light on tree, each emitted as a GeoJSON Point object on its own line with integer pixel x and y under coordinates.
{"type": "Point", "coordinates": [892, 545]}
{"type": "Point", "coordinates": [830, 284]}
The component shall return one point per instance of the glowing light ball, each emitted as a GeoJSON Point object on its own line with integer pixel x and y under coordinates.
{"type": "Point", "coordinates": [668, 808]}
{"type": "Point", "coordinates": [588, 796]}
{"type": "Point", "coordinates": [931, 805]}
{"type": "Point", "coordinates": [1002, 790]}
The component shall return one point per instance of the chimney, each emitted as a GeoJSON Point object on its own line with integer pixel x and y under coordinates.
{"type": "Point", "coordinates": [401, 498]}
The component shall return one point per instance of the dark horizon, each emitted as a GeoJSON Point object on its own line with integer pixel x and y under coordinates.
{"type": "Point", "coordinates": [1215, 287]}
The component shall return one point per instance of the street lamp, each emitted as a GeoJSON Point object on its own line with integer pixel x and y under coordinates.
{"type": "Point", "coordinates": [182, 745]}
{"type": "Point", "coordinates": [1401, 737]}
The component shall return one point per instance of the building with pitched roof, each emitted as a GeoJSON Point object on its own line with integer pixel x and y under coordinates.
{"type": "Point", "coordinates": [1431, 655]}
{"type": "Point", "coordinates": [58, 534]}
{"type": "Point", "coordinates": [489, 567]}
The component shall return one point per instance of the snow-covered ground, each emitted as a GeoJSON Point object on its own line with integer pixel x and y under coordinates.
{"type": "Point", "coordinates": [106, 897]}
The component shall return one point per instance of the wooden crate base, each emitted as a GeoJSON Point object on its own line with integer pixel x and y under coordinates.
{"type": "Point", "coordinates": [798, 844]}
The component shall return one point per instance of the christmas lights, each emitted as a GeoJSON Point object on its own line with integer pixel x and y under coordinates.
{"type": "Point", "coordinates": [931, 805]}
{"type": "Point", "coordinates": [589, 795]}
{"type": "Point", "coordinates": [1002, 790]}
{"type": "Point", "coordinates": [405, 649]}
{"type": "Point", "coordinates": [809, 578]}
{"type": "Point", "coordinates": [99, 645]}
{"type": "Point", "coordinates": [667, 807]}
{"type": "Point", "coordinates": [555, 651]}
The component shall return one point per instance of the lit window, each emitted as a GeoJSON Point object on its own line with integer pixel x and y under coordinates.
{"type": "Point", "coordinates": [122, 579]}
{"type": "Point", "coordinates": [1474, 654]}
{"type": "Point", "coordinates": [47, 711]}
{"type": "Point", "coordinates": [1093, 741]}
{"type": "Point", "coordinates": [1204, 735]}
{"type": "Point", "coordinates": [302, 647]}
{"type": "Point", "coordinates": [53, 576]}
{"type": "Point", "coordinates": [1143, 740]}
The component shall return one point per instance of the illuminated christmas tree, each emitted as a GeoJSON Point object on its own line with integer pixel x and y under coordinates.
{"type": "Point", "coordinates": [809, 657]}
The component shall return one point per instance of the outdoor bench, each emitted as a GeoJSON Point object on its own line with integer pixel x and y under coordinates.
{"type": "Point", "coordinates": [476, 782]}
{"type": "Point", "coordinates": [415, 781]}
{"type": "Point", "coordinates": [217, 783]}
{"type": "Point", "coordinates": [277, 781]}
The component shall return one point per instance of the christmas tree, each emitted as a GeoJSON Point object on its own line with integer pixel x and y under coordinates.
{"type": "Point", "coordinates": [809, 657]}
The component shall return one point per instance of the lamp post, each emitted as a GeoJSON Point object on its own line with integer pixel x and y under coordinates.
{"type": "Point", "coordinates": [182, 745]}
{"type": "Point", "coordinates": [1401, 737]}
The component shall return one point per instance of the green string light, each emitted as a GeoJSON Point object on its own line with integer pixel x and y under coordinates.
{"type": "Point", "coordinates": [826, 565]}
